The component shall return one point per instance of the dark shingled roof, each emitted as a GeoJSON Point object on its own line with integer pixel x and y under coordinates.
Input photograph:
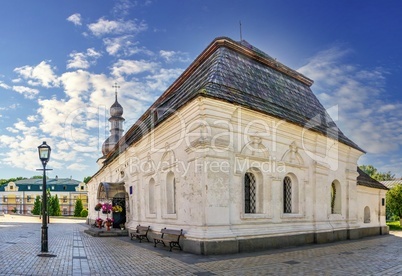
{"type": "Point", "coordinates": [238, 73]}
{"type": "Point", "coordinates": [365, 180]}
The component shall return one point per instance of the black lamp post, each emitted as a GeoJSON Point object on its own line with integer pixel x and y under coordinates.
{"type": "Point", "coordinates": [44, 155]}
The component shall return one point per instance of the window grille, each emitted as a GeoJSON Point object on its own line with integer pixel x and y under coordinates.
{"type": "Point", "coordinates": [249, 193]}
{"type": "Point", "coordinates": [287, 195]}
{"type": "Point", "coordinates": [333, 197]}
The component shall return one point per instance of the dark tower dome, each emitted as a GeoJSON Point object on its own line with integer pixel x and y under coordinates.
{"type": "Point", "coordinates": [116, 110]}
{"type": "Point", "coordinates": [107, 146]}
{"type": "Point", "coordinates": [116, 126]}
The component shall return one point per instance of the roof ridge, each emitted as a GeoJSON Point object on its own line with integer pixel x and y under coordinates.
{"type": "Point", "coordinates": [255, 49]}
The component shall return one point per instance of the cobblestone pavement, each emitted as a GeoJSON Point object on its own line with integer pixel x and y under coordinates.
{"type": "Point", "coordinates": [77, 253]}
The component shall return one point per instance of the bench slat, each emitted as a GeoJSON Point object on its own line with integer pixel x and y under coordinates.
{"type": "Point", "coordinates": [141, 233]}
{"type": "Point", "coordinates": [173, 238]}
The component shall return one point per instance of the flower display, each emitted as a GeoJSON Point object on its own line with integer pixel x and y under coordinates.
{"type": "Point", "coordinates": [109, 220]}
{"type": "Point", "coordinates": [106, 208]}
{"type": "Point", "coordinates": [98, 207]}
{"type": "Point", "coordinates": [117, 209]}
{"type": "Point", "coordinates": [98, 222]}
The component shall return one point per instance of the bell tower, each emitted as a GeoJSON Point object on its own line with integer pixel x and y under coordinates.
{"type": "Point", "coordinates": [116, 125]}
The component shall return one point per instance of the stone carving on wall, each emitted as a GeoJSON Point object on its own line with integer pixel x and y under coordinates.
{"type": "Point", "coordinates": [255, 148]}
{"type": "Point", "coordinates": [168, 159]}
{"type": "Point", "coordinates": [149, 166]}
{"type": "Point", "coordinates": [292, 156]}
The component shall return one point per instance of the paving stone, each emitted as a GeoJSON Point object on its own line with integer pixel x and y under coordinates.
{"type": "Point", "coordinates": [77, 253]}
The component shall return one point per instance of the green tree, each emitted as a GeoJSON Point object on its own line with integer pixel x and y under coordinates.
{"type": "Point", "coordinates": [56, 206]}
{"type": "Point", "coordinates": [5, 181]}
{"type": "Point", "coordinates": [375, 174]}
{"type": "Point", "coordinates": [50, 204]}
{"type": "Point", "coordinates": [86, 179]}
{"type": "Point", "coordinates": [37, 206]}
{"type": "Point", "coordinates": [78, 208]}
{"type": "Point", "coordinates": [394, 200]}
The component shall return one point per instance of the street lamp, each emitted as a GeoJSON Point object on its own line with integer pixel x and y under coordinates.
{"type": "Point", "coordinates": [44, 155]}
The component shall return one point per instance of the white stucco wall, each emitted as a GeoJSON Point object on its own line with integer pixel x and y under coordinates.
{"type": "Point", "coordinates": [209, 146]}
{"type": "Point", "coordinates": [371, 198]}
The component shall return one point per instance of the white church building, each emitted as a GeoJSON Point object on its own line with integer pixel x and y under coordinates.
{"type": "Point", "coordinates": [240, 154]}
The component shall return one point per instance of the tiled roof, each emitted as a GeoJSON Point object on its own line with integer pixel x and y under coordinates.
{"type": "Point", "coordinates": [392, 183]}
{"type": "Point", "coordinates": [365, 180]}
{"type": "Point", "coordinates": [35, 184]}
{"type": "Point", "coordinates": [243, 75]}
{"type": "Point", "coordinates": [49, 181]}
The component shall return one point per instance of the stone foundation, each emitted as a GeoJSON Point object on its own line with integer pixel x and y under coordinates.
{"type": "Point", "coordinates": [258, 244]}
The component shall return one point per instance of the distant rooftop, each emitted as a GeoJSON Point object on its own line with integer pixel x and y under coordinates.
{"type": "Point", "coordinates": [392, 183]}
{"type": "Point", "coordinates": [55, 184]}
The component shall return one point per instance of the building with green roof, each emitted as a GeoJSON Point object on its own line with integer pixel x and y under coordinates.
{"type": "Point", "coordinates": [19, 196]}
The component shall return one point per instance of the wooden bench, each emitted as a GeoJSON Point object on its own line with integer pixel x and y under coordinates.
{"type": "Point", "coordinates": [170, 236]}
{"type": "Point", "coordinates": [141, 233]}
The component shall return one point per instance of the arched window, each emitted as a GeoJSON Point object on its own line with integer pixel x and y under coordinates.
{"type": "Point", "coordinates": [249, 193]}
{"type": "Point", "coordinates": [170, 193]}
{"type": "Point", "coordinates": [287, 195]}
{"type": "Point", "coordinates": [151, 196]}
{"type": "Point", "coordinates": [336, 197]}
{"type": "Point", "coordinates": [367, 215]}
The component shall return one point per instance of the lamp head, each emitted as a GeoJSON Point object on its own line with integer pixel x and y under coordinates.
{"type": "Point", "coordinates": [44, 152]}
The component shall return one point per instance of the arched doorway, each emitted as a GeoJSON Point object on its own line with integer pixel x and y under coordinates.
{"type": "Point", "coordinates": [119, 217]}
{"type": "Point", "coordinates": [117, 195]}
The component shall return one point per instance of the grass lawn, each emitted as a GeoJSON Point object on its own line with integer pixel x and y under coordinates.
{"type": "Point", "coordinates": [394, 225]}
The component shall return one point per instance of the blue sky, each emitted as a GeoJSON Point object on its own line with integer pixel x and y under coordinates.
{"type": "Point", "coordinates": [59, 60]}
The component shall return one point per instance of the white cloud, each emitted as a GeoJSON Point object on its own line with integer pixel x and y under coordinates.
{"type": "Point", "coordinates": [12, 130]}
{"type": "Point", "coordinates": [163, 78]}
{"type": "Point", "coordinates": [130, 67]}
{"type": "Point", "coordinates": [122, 7]}
{"type": "Point", "coordinates": [32, 118]}
{"type": "Point", "coordinates": [83, 60]}
{"type": "Point", "coordinates": [124, 46]}
{"type": "Point", "coordinates": [104, 27]}
{"type": "Point", "coordinates": [92, 53]}
{"type": "Point", "coordinates": [78, 60]}
{"type": "Point", "coordinates": [5, 86]}
{"type": "Point", "coordinates": [365, 115]}
{"type": "Point", "coordinates": [77, 167]}
{"type": "Point", "coordinates": [75, 19]}
{"type": "Point", "coordinates": [75, 83]}
{"type": "Point", "coordinates": [29, 93]}
{"type": "Point", "coordinates": [172, 56]}
{"type": "Point", "coordinates": [41, 74]}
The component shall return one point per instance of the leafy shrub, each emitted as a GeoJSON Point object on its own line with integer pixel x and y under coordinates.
{"type": "Point", "coordinates": [84, 213]}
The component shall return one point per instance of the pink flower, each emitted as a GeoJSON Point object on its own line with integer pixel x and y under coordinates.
{"type": "Point", "coordinates": [106, 207]}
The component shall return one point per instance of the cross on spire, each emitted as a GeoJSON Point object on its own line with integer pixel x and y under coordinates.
{"type": "Point", "coordinates": [115, 86]}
